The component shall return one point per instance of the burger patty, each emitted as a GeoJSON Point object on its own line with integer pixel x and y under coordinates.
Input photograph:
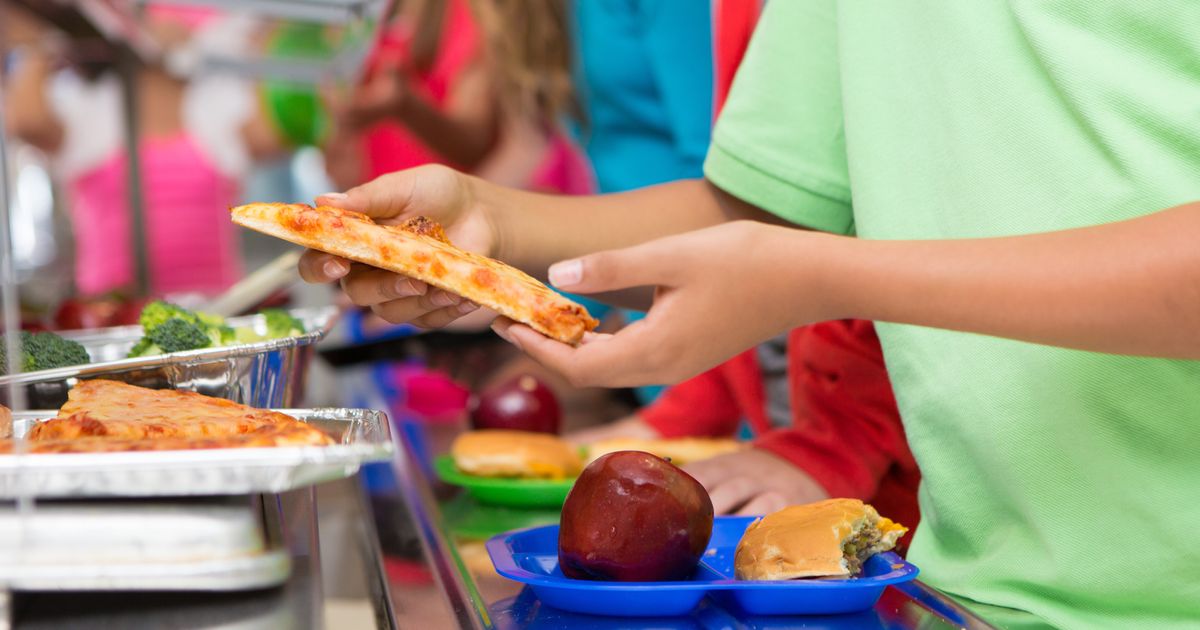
{"type": "Point", "coordinates": [860, 546]}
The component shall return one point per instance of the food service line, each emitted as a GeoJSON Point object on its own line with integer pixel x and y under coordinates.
{"type": "Point", "coordinates": [473, 597]}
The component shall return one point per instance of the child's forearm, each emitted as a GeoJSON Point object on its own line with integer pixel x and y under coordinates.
{"type": "Point", "coordinates": [1131, 287]}
{"type": "Point", "coordinates": [463, 140]}
{"type": "Point", "coordinates": [536, 230]}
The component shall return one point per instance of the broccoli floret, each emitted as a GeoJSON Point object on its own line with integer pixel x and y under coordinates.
{"type": "Point", "coordinates": [158, 312]}
{"type": "Point", "coordinates": [45, 351]}
{"type": "Point", "coordinates": [181, 329]}
{"type": "Point", "coordinates": [176, 335]}
{"type": "Point", "coordinates": [246, 334]}
{"type": "Point", "coordinates": [210, 320]}
{"type": "Point", "coordinates": [280, 324]}
{"type": "Point", "coordinates": [144, 348]}
{"type": "Point", "coordinates": [225, 335]}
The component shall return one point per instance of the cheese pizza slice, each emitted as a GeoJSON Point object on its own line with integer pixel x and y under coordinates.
{"type": "Point", "coordinates": [108, 410]}
{"type": "Point", "coordinates": [419, 249]}
{"type": "Point", "coordinates": [298, 434]}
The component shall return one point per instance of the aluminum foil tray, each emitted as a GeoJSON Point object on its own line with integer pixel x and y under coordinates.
{"type": "Point", "coordinates": [362, 435]}
{"type": "Point", "coordinates": [210, 544]}
{"type": "Point", "coordinates": [263, 374]}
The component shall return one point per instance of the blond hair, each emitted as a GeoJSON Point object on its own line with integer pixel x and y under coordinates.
{"type": "Point", "coordinates": [529, 50]}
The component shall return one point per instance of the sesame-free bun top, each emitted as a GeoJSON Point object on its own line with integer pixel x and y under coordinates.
{"type": "Point", "coordinates": [520, 454]}
{"type": "Point", "coordinates": [810, 541]}
{"type": "Point", "coordinates": [679, 450]}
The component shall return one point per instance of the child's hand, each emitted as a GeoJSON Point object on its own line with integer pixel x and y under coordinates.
{"type": "Point", "coordinates": [719, 291]}
{"type": "Point", "coordinates": [630, 427]}
{"type": "Point", "coordinates": [380, 98]}
{"type": "Point", "coordinates": [754, 481]}
{"type": "Point", "coordinates": [433, 191]}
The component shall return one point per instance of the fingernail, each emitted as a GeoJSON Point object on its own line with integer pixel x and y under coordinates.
{"type": "Point", "coordinates": [335, 269]}
{"type": "Point", "coordinates": [407, 287]}
{"type": "Point", "coordinates": [442, 298]}
{"type": "Point", "coordinates": [566, 273]}
{"type": "Point", "coordinates": [466, 307]}
{"type": "Point", "coordinates": [333, 196]}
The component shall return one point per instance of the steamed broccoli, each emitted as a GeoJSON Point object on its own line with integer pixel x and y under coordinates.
{"type": "Point", "coordinates": [171, 328]}
{"type": "Point", "coordinates": [225, 336]}
{"type": "Point", "coordinates": [144, 348]}
{"type": "Point", "coordinates": [158, 312]}
{"type": "Point", "coordinates": [280, 324]}
{"type": "Point", "coordinates": [210, 320]}
{"type": "Point", "coordinates": [176, 335]}
{"type": "Point", "coordinates": [44, 351]}
{"type": "Point", "coordinates": [246, 334]}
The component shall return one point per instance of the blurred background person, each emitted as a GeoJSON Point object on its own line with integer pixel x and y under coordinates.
{"type": "Point", "coordinates": [198, 136]}
{"type": "Point", "coordinates": [481, 85]}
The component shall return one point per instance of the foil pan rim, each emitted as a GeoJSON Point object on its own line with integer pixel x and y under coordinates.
{"type": "Point", "coordinates": [323, 318]}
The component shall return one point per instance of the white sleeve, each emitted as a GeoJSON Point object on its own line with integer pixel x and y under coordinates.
{"type": "Point", "coordinates": [216, 106]}
{"type": "Point", "coordinates": [90, 113]}
{"type": "Point", "coordinates": [215, 109]}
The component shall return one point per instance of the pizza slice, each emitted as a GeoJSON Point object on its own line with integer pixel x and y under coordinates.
{"type": "Point", "coordinates": [99, 410]}
{"type": "Point", "coordinates": [419, 249]}
{"type": "Point", "coordinates": [297, 434]}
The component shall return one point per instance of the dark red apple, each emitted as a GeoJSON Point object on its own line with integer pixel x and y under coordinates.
{"type": "Point", "coordinates": [521, 404]}
{"type": "Point", "coordinates": [76, 313]}
{"type": "Point", "coordinates": [634, 517]}
{"type": "Point", "coordinates": [128, 312]}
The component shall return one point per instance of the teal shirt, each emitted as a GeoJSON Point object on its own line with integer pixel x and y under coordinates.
{"type": "Point", "coordinates": [645, 76]}
{"type": "Point", "coordinates": [1057, 482]}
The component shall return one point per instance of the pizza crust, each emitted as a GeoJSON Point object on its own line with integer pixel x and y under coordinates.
{"type": "Point", "coordinates": [419, 249]}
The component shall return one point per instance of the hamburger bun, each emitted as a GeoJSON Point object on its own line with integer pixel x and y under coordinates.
{"type": "Point", "coordinates": [521, 454]}
{"type": "Point", "coordinates": [680, 451]}
{"type": "Point", "coordinates": [831, 538]}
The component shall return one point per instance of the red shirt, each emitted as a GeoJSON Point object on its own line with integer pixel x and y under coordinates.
{"type": "Point", "coordinates": [846, 431]}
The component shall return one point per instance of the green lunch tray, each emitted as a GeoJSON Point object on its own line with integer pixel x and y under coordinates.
{"type": "Point", "coordinates": [469, 519]}
{"type": "Point", "coordinates": [508, 492]}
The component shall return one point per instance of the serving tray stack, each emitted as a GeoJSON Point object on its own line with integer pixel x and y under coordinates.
{"type": "Point", "coordinates": [166, 520]}
{"type": "Point", "coordinates": [213, 544]}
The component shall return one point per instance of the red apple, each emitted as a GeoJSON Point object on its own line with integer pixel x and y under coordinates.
{"type": "Point", "coordinates": [128, 312]}
{"type": "Point", "coordinates": [634, 517]}
{"type": "Point", "coordinates": [521, 404]}
{"type": "Point", "coordinates": [76, 313]}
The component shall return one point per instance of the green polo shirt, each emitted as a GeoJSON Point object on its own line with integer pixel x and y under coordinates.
{"type": "Point", "coordinates": [1058, 482]}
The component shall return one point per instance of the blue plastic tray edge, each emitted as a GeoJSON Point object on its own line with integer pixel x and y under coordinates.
{"type": "Point", "coordinates": [504, 560]}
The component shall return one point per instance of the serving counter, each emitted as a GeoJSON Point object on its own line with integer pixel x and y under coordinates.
{"type": "Point", "coordinates": [452, 583]}
{"type": "Point", "coordinates": [390, 548]}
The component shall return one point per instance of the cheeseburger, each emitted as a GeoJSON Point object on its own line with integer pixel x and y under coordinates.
{"type": "Point", "coordinates": [831, 538]}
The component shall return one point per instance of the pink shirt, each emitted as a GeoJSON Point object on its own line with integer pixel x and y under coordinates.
{"type": "Point", "coordinates": [191, 244]}
{"type": "Point", "coordinates": [189, 179]}
{"type": "Point", "coordinates": [390, 147]}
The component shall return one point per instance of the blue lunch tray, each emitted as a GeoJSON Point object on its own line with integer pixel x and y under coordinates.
{"type": "Point", "coordinates": [530, 556]}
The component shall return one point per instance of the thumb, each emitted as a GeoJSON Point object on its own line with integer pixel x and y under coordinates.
{"type": "Point", "coordinates": [642, 265]}
{"type": "Point", "coordinates": [385, 197]}
{"type": "Point", "coordinates": [395, 195]}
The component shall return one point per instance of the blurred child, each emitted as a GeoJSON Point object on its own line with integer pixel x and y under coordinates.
{"type": "Point", "coordinates": [477, 85]}
{"type": "Point", "coordinates": [195, 144]}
